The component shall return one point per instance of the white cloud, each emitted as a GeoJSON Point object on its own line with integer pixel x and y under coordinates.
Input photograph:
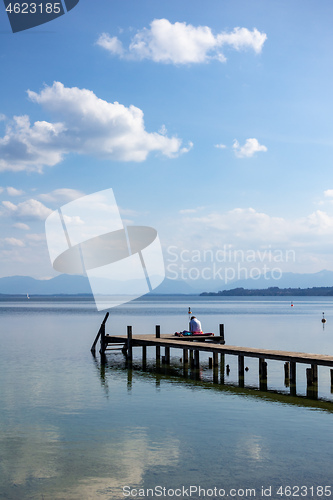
{"type": "Point", "coordinates": [182, 43]}
{"type": "Point", "coordinates": [328, 193]}
{"type": "Point", "coordinates": [62, 194]}
{"type": "Point", "coordinates": [30, 209]}
{"type": "Point", "coordinates": [250, 147]}
{"type": "Point", "coordinates": [112, 44]}
{"type": "Point", "coordinates": [86, 125]}
{"type": "Point", "coordinates": [220, 146]}
{"type": "Point", "coordinates": [190, 210]}
{"type": "Point", "coordinates": [2, 117]}
{"type": "Point", "coordinates": [21, 225]}
{"type": "Point", "coordinates": [14, 192]}
{"type": "Point", "coordinates": [26, 147]}
{"type": "Point", "coordinates": [248, 228]}
{"type": "Point", "coordinates": [14, 242]}
{"type": "Point", "coordinates": [36, 237]}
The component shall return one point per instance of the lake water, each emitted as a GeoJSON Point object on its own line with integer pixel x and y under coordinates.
{"type": "Point", "coordinates": [73, 429]}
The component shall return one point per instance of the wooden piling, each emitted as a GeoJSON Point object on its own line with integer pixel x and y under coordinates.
{"type": "Point", "coordinates": [100, 333]}
{"type": "Point", "coordinates": [144, 357]}
{"type": "Point", "coordinates": [222, 341]}
{"type": "Point", "coordinates": [241, 370]}
{"type": "Point", "coordinates": [158, 348]}
{"type": "Point", "coordinates": [191, 358]}
{"type": "Point", "coordinates": [331, 380]}
{"type": "Point", "coordinates": [101, 329]}
{"type": "Point", "coordinates": [262, 374]}
{"type": "Point", "coordinates": [309, 376]}
{"type": "Point", "coordinates": [167, 355]}
{"type": "Point", "coordinates": [292, 372]}
{"type": "Point", "coordinates": [286, 374]}
{"type": "Point", "coordinates": [312, 382]}
{"type": "Point", "coordinates": [129, 344]}
{"type": "Point", "coordinates": [197, 358]}
{"type": "Point", "coordinates": [215, 359]}
{"type": "Point", "coordinates": [210, 363]}
{"type": "Point", "coordinates": [314, 369]}
{"type": "Point", "coordinates": [222, 367]}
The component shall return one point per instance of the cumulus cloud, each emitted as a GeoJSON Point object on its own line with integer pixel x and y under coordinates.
{"type": "Point", "coordinates": [112, 44]}
{"type": "Point", "coordinates": [85, 125]}
{"type": "Point", "coordinates": [62, 194]}
{"type": "Point", "coordinates": [14, 192]}
{"type": "Point", "coordinates": [250, 147]}
{"type": "Point", "coordinates": [14, 242]}
{"type": "Point", "coordinates": [182, 43]}
{"type": "Point", "coordinates": [248, 228]}
{"type": "Point", "coordinates": [220, 146]}
{"type": "Point", "coordinates": [328, 193]}
{"type": "Point", "coordinates": [30, 209]}
{"type": "Point", "coordinates": [21, 225]}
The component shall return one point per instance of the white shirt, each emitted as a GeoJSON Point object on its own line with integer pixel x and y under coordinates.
{"type": "Point", "coordinates": [195, 325]}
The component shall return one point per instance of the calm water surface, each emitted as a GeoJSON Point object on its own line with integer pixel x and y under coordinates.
{"type": "Point", "coordinates": [71, 428]}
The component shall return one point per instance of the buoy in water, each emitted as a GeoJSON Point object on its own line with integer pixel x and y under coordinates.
{"type": "Point", "coordinates": [323, 320]}
{"type": "Point", "coordinates": [291, 305]}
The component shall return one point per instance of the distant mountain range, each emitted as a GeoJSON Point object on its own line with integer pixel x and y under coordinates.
{"type": "Point", "coordinates": [66, 284]}
{"type": "Point", "coordinates": [274, 291]}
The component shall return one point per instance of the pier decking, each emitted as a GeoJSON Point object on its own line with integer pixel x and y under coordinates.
{"type": "Point", "coordinates": [191, 346]}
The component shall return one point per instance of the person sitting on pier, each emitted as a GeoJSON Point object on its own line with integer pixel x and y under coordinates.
{"type": "Point", "coordinates": [195, 325]}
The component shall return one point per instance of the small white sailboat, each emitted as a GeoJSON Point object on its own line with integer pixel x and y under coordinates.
{"type": "Point", "coordinates": [28, 296]}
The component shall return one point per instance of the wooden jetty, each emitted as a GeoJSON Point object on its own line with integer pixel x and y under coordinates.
{"type": "Point", "coordinates": [191, 346]}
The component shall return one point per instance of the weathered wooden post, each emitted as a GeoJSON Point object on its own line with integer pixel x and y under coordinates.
{"type": "Point", "coordinates": [144, 357]}
{"type": "Point", "coordinates": [210, 363]}
{"type": "Point", "coordinates": [101, 329]}
{"type": "Point", "coordinates": [241, 370]}
{"type": "Point", "coordinates": [262, 374]}
{"type": "Point", "coordinates": [191, 359]}
{"type": "Point", "coordinates": [286, 374]}
{"type": "Point", "coordinates": [158, 348]}
{"type": "Point", "coordinates": [129, 345]}
{"type": "Point", "coordinates": [222, 367]}
{"type": "Point", "coordinates": [103, 343]}
{"type": "Point", "coordinates": [222, 341]}
{"type": "Point", "coordinates": [309, 382]}
{"type": "Point", "coordinates": [331, 381]}
{"type": "Point", "coordinates": [185, 362]}
{"type": "Point", "coordinates": [312, 382]}
{"type": "Point", "coordinates": [196, 358]}
{"type": "Point", "coordinates": [292, 381]}
{"type": "Point", "coordinates": [215, 367]}
{"type": "Point", "coordinates": [167, 355]}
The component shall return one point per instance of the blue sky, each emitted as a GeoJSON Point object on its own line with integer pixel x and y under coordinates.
{"type": "Point", "coordinates": [254, 78]}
